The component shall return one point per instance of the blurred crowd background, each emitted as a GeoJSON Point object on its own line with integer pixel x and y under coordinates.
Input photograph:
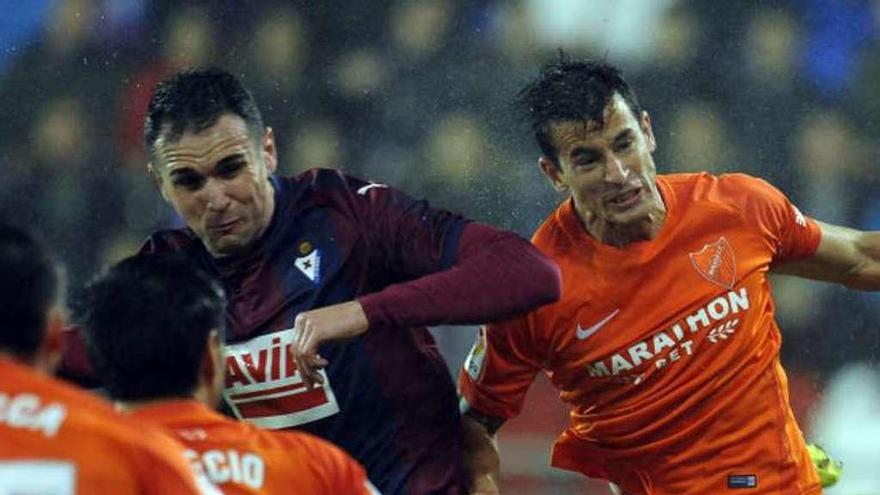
{"type": "Point", "coordinates": [417, 94]}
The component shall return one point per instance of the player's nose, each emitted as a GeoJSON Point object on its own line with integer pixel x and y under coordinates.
{"type": "Point", "coordinates": [215, 196]}
{"type": "Point", "coordinates": [616, 171]}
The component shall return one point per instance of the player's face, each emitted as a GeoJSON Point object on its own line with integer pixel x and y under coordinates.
{"type": "Point", "coordinates": [218, 182]}
{"type": "Point", "coordinates": [609, 170]}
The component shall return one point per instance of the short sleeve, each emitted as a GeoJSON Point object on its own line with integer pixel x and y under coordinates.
{"type": "Point", "coordinates": [791, 234]}
{"type": "Point", "coordinates": [500, 368]}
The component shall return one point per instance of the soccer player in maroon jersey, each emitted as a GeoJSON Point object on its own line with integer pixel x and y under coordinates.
{"type": "Point", "coordinates": [331, 281]}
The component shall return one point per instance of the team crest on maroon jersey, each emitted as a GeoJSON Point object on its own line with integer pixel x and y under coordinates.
{"type": "Point", "coordinates": [309, 261]}
{"type": "Point", "coordinates": [716, 262]}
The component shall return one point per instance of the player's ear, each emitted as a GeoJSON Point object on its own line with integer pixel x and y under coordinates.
{"type": "Point", "coordinates": [157, 178]}
{"type": "Point", "coordinates": [213, 368]}
{"type": "Point", "coordinates": [270, 151]}
{"type": "Point", "coordinates": [551, 169]}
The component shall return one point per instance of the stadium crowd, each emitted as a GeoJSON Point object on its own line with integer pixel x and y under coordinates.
{"type": "Point", "coordinates": [417, 94]}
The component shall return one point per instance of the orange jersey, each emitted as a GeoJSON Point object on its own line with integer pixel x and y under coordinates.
{"type": "Point", "coordinates": [58, 440]}
{"type": "Point", "coordinates": [667, 350]}
{"type": "Point", "coordinates": [243, 459]}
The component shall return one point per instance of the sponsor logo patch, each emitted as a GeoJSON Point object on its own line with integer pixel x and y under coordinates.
{"type": "Point", "coordinates": [473, 365]}
{"type": "Point", "coordinates": [717, 320]}
{"type": "Point", "coordinates": [264, 387]}
{"type": "Point", "coordinates": [363, 190]}
{"type": "Point", "coordinates": [742, 481]}
{"type": "Point", "coordinates": [584, 333]}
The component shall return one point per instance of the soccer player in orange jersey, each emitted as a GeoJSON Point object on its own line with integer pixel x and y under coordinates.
{"type": "Point", "coordinates": [664, 341]}
{"type": "Point", "coordinates": [154, 328]}
{"type": "Point", "coordinates": [55, 439]}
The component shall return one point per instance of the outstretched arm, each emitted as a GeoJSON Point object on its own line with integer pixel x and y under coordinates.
{"type": "Point", "coordinates": [846, 256]}
{"type": "Point", "coordinates": [496, 274]}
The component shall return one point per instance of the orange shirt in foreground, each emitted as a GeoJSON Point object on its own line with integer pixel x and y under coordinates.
{"type": "Point", "coordinates": [243, 459]}
{"type": "Point", "coordinates": [667, 350]}
{"type": "Point", "coordinates": [58, 440]}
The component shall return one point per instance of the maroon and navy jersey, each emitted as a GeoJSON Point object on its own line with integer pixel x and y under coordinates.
{"type": "Point", "coordinates": [388, 398]}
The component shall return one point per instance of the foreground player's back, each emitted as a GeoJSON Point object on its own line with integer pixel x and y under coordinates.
{"type": "Point", "coordinates": [242, 459]}
{"type": "Point", "coordinates": [57, 440]}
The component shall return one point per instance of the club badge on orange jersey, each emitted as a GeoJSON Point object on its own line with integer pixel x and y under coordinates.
{"type": "Point", "coordinates": [716, 262]}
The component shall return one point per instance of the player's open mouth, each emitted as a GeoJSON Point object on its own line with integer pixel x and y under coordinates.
{"type": "Point", "coordinates": [627, 199]}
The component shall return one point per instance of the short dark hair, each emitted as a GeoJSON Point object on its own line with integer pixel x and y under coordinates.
{"type": "Point", "coordinates": [193, 100]}
{"type": "Point", "coordinates": [147, 321]}
{"type": "Point", "coordinates": [28, 289]}
{"type": "Point", "coordinates": [572, 91]}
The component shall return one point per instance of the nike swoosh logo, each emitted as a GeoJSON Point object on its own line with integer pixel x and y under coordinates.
{"type": "Point", "coordinates": [363, 190]}
{"type": "Point", "coordinates": [583, 333]}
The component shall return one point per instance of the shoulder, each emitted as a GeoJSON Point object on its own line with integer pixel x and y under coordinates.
{"type": "Point", "coordinates": [731, 190]}
{"type": "Point", "coordinates": [90, 418]}
{"type": "Point", "coordinates": [703, 183]}
{"type": "Point", "coordinates": [81, 404]}
{"type": "Point", "coordinates": [323, 180]}
{"type": "Point", "coordinates": [91, 431]}
{"type": "Point", "coordinates": [322, 187]}
{"type": "Point", "coordinates": [550, 236]}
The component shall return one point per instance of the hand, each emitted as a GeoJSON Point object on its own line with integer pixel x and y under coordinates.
{"type": "Point", "coordinates": [481, 459]}
{"type": "Point", "coordinates": [312, 328]}
{"type": "Point", "coordinates": [484, 485]}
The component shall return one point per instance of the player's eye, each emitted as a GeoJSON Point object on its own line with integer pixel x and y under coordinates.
{"type": "Point", "coordinates": [585, 160]}
{"type": "Point", "coordinates": [624, 145]}
{"type": "Point", "coordinates": [188, 181]}
{"type": "Point", "coordinates": [228, 170]}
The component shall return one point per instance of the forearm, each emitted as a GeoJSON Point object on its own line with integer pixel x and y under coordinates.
{"type": "Point", "coordinates": [867, 275]}
{"type": "Point", "coordinates": [496, 275]}
{"type": "Point", "coordinates": [845, 256]}
{"type": "Point", "coordinates": [481, 457]}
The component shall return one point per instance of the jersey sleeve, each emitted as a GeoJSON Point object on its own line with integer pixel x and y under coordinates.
{"type": "Point", "coordinates": [407, 238]}
{"type": "Point", "coordinates": [337, 471]}
{"type": "Point", "coordinates": [500, 368]}
{"type": "Point", "coordinates": [791, 234]}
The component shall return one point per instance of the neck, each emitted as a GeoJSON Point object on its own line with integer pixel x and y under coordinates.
{"type": "Point", "coordinates": [201, 394]}
{"type": "Point", "coordinates": [619, 235]}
